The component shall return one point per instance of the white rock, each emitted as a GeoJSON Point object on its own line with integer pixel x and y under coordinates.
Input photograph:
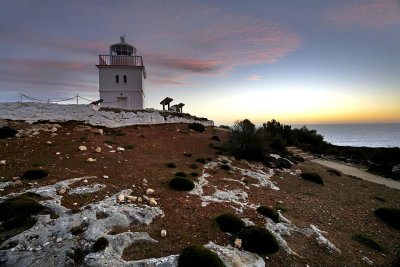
{"type": "Point", "coordinates": [238, 243]}
{"type": "Point", "coordinates": [54, 129]}
{"type": "Point", "coordinates": [58, 153]}
{"type": "Point", "coordinates": [280, 202]}
{"type": "Point", "coordinates": [97, 149]}
{"type": "Point", "coordinates": [153, 201]}
{"type": "Point", "coordinates": [121, 198]}
{"type": "Point", "coordinates": [132, 198]}
{"type": "Point", "coordinates": [97, 131]}
{"type": "Point", "coordinates": [139, 199]}
{"type": "Point", "coordinates": [367, 261]}
{"type": "Point", "coordinates": [144, 181]}
{"type": "Point", "coordinates": [82, 148]}
{"type": "Point", "coordinates": [163, 233]}
{"type": "Point", "coordinates": [62, 191]}
{"type": "Point", "coordinates": [120, 149]}
{"type": "Point", "coordinates": [53, 134]}
{"type": "Point", "coordinates": [58, 240]}
{"type": "Point", "coordinates": [85, 181]}
{"type": "Point", "coordinates": [3, 162]}
{"type": "Point", "coordinates": [49, 142]}
{"type": "Point", "coordinates": [75, 204]}
{"type": "Point", "coordinates": [91, 160]}
{"type": "Point", "coordinates": [149, 191]}
{"type": "Point", "coordinates": [105, 176]}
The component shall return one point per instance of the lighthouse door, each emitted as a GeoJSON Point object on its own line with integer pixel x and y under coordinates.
{"type": "Point", "coordinates": [122, 102]}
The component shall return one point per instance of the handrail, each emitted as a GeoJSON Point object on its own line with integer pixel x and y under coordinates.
{"type": "Point", "coordinates": [107, 60]}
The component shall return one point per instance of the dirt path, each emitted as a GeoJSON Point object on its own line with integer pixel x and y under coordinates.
{"type": "Point", "coordinates": [353, 171]}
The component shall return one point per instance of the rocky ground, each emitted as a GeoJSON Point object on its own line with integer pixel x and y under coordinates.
{"type": "Point", "coordinates": [93, 169]}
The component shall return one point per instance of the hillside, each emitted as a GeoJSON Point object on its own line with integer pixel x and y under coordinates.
{"type": "Point", "coordinates": [85, 200]}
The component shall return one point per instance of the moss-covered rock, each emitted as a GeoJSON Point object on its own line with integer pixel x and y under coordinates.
{"type": "Point", "coordinates": [199, 256]}
{"type": "Point", "coordinates": [258, 240]}
{"type": "Point", "coordinates": [181, 184]}
{"type": "Point", "coordinates": [269, 212]}
{"type": "Point", "coordinates": [229, 223]}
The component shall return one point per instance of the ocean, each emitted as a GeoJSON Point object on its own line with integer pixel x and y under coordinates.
{"type": "Point", "coordinates": [369, 135]}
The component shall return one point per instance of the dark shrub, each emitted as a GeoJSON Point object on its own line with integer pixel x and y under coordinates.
{"type": "Point", "coordinates": [258, 240]}
{"type": "Point", "coordinates": [368, 241]}
{"type": "Point", "coordinates": [335, 172]}
{"type": "Point", "coordinates": [16, 212]}
{"type": "Point", "coordinates": [181, 174]}
{"type": "Point", "coordinates": [193, 166]}
{"type": "Point", "coordinates": [171, 165]}
{"type": "Point", "coordinates": [269, 212]}
{"type": "Point", "coordinates": [216, 138]}
{"type": "Point", "coordinates": [181, 184]}
{"type": "Point", "coordinates": [225, 127]}
{"type": "Point", "coordinates": [35, 174]}
{"type": "Point", "coordinates": [313, 177]}
{"type": "Point", "coordinates": [76, 230]}
{"type": "Point", "coordinates": [202, 160]}
{"type": "Point", "coordinates": [194, 174]}
{"type": "Point", "coordinates": [229, 223]}
{"type": "Point", "coordinates": [225, 167]}
{"type": "Point", "coordinates": [197, 127]}
{"type": "Point", "coordinates": [278, 143]}
{"type": "Point", "coordinates": [187, 154]}
{"type": "Point", "coordinates": [7, 132]}
{"type": "Point", "coordinates": [390, 216]}
{"type": "Point", "coordinates": [100, 244]}
{"type": "Point", "coordinates": [199, 256]}
{"type": "Point", "coordinates": [129, 146]}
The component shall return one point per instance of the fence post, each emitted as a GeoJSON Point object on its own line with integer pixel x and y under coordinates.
{"type": "Point", "coordinates": [77, 97]}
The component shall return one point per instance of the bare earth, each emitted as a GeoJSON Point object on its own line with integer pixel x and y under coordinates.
{"type": "Point", "coordinates": [341, 208]}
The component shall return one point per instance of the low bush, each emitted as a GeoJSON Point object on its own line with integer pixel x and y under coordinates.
{"type": "Point", "coordinates": [171, 165]}
{"type": "Point", "coordinates": [100, 244]}
{"type": "Point", "coordinates": [281, 207]}
{"type": "Point", "coordinates": [216, 138]}
{"type": "Point", "coordinates": [197, 127]}
{"type": "Point", "coordinates": [390, 216]}
{"type": "Point", "coordinates": [181, 174]}
{"type": "Point", "coordinates": [225, 167]}
{"type": "Point", "coordinates": [199, 256]}
{"type": "Point", "coordinates": [269, 212]}
{"type": "Point", "coordinates": [35, 174]}
{"type": "Point", "coordinates": [229, 223]}
{"type": "Point", "coordinates": [7, 132]}
{"type": "Point", "coordinates": [258, 240]}
{"type": "Point", "coordinates": [181, 184]}
{"type": "Point", "coordinates": [368, 241]}
{"type": "Point", "coordinates": [313, 177]}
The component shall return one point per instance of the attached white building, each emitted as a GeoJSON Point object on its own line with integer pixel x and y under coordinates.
{"type": "Point", "coordinates": [121, 77]}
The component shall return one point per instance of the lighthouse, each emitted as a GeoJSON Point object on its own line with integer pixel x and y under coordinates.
{"type": "Point", "coordinates": [121, 77]}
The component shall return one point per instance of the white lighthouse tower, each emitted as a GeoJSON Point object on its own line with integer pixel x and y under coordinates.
{"type": "Point", "coordinates": [121, 77]}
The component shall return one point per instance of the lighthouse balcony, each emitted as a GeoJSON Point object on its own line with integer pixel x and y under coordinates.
{"type": "Point", "coordinates": [120, 60]}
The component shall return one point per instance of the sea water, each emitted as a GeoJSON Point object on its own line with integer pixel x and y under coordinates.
{"type": "Point", "coordinates": [369, 135]}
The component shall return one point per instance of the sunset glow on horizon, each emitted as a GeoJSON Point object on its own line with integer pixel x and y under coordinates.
{"type": "Point", "coordinates": [297, 62]}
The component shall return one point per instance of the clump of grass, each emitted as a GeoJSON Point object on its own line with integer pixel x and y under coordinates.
{"type": "Point", "coordinates": [216, 138]}
{"type": "Point", "coordinates": [7, 132]}
{"type": "Point", "coordinates": [281, 207]}
{"type": "Point", "coordinates": [181, 174]}
{"type": "Point", "coordinates": [194, 174]}
{"type": "Point", "coordinates": [16, 212]}
{"type": "Point", "coordinates": [197, 127]}
{"type": "Point", "coordinates": [258, 240]}
{"type": "Point", "coordinates": [368, 241]}
{"type": "Point", "coordinates": [187, 154]}
{"type": "Point", "coordinates": [230, 223]}
{"type": "Point", "coordinates": [390, 216]}
{"type": "Point", "coordinates": [201, 160]}
{"type": "Point", "coordinates": [171, 165]}
{"type": "Point", "coordinates": [199, 256]}
{"type": "Point", "coordinates": [129, 146]}
{"type": "Point", "coordinates": [225, 167]}
{"type": "Point", "coordinates": [335, 172]}
{"type": "Point", "coordinates": [313, 177]}
{"type": "Point", "coordinates": [100, 244]}
{"type": "Point", "coordinates": [35, 174]}
{"type": "Point", "coordinates": [269, 212]}
{"type": "Point", "coordinates": [181, 184]}
{"type": "Point", "coordinates": [193, 166]}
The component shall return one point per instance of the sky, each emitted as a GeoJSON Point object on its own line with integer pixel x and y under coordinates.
{"type": "Point", "coordinates": [299, 62]}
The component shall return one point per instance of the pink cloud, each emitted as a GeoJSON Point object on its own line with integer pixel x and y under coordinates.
{"type": "Point", "coordinates": [366, 13]}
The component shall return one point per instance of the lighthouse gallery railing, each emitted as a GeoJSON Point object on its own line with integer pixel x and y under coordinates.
{"type": "Point", "coordinates": [133, 61]}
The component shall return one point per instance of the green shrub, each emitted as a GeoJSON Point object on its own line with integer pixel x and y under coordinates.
{"type": "Point", "coordinates": [199, 256]}
{"type": "Point", "coordinates": [100, 244]}
{"type": "Point", "coordinates": [201, 160]}
{"type": "Point", "coordinates": [229, 223]}
{"type": "Point", "coordinates": [16, 212]}
{"type": "Point", "coordinates": [281, 207]}
{"type": "Point", "coordinates": [216, 138]}
{"type": "Point", "coordinates": [181, 174]}
{"type": "Point", "coordinates": [181, 184]}
{"type": "Point", "coordinates": [269, 212]}
{"type": "Point", "coordinates": [258, 240]}
{"type": "Point", "coordinates": [197, 127]}
{"type": "Point", "coordinates": [335, 172]}
{"type": "Point", "coordinates": [35, 174]}
{"type": "Point", "coordinates": [368, 241]}
{"type": "Point", "coordinates": [390, 216]}
{"type": "Point", "coordinates": [225, 167]}
{"type": "Point", "coordinates": [313, 177]}
{"type": "Point", "coordinates": [171, 165]}
{"type": "Point", "coordinates": [7, 132]}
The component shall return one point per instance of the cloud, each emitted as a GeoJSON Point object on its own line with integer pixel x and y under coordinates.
{"type": "Point", "coordinates": [365, 13]}
{"type": "Point", "coordinates": [254, 78]}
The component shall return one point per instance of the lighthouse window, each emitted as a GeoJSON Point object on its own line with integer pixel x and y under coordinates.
{"type": "Point", "coordinates": [125, 79]}
{"type": "Point", "coordinates": [116, 78]}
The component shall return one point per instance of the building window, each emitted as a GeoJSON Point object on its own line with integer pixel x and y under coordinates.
{"type": "Point", "coordinates": [125, 79]}
{"type": "Point", "coordinates": [116, 78]}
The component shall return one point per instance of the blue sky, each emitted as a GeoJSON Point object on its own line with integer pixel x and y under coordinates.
{"type": "Point", "coordinates": [295, 61]}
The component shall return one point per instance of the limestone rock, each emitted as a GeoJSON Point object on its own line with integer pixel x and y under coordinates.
{"type": "Point", "coordinates": [82, 148]}
{"type": "Point", "coordinates": [49, 142]}
{"type": "Point", "coordinates": [149, 191]}
{"type": "Point", "coordinates": [62, 191]}
{"type": "Point", "coordinates": [97, 149]}
{"type": "Point", "coordinates": [3, 162]}
{"type": "Point", "coordinates": [121, 197]}
{"type": "Point", "coordinates": [105, 176]}
{"type": "Point", "coordinates": [58, 240]}
{"type": "Point", "coordinates": [153, 201]}
{"type": "Point", "coordinates": [144, 181]}
{"type": "Point", "coordinates": [139, 199]}
{"type": "Point", "coordinates": [132, 198]}
{"type": "Point", "coordinates": [238, 243]}
{"type": "Point", "coordinates": [97, 131]}
{"type": "Point", "coordinates": [120, 149]}
{"type": "Point", "coordinates": [91, 160]}
{"type": "Point", "coordinates": [163, 233]}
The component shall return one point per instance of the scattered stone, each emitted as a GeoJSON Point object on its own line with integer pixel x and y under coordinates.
{"type": "Point", "coordinates": [97, 149]}
{"type": "Point", "coordinates": [75, 204]}
{"type": "Point", "coordinates": [82, 148]}
{"type": "Point", "coordinates": [105, 176]}
{"type": "Point", "coordinates": [367, 261]}
{"type": "Point", "coordinates": [132, 198]}
{"type": "Point", "coordinates": [163, 233]}
{"type": "Point", "coordinates": [54, 129]}
{"type": "Point", "coordinates": [3, 162]}
{"type": "Point", "coordinates": [91, 160]}
{"type": "Point", "coordinates": [58, 240]}
{"type": "Point", "coordinates": [85, 181]}
{"type": "Point", "coordinates": [153, 201]}
{"type": "Point", "coordinates": [53, 134]}
{"type": "Point", "coordinates": [280, 202]}
{"type": "Point", "coordinates": [238, 243]}
{"type": "Point", "coordinates": [62, 191]}
{"type": "Point", "coordinates": [144, 181]}
{"type": "Point", "coordinates": [139, 199]}
{"type": "Point", "coordinates": [149, 191]}
{"type": "Point", "coordinates": [58, 153]}
{"type": "Point", "coordinates": [15, 178]}
{"type": "Point", "coordinates": [108, 146]}
{"type": "Point", "coordinates": [97, 131]}
{"type": "Point", "coordinates": [81, 128]}
{"type": "Point", "coordinates": [121, 197]}
{"type": "Point", "coordinates": [120, 149]}
{"type": "Point", "coordinates": [17, 183]}
{"type": "Point", "coordinates": [49, 142]}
